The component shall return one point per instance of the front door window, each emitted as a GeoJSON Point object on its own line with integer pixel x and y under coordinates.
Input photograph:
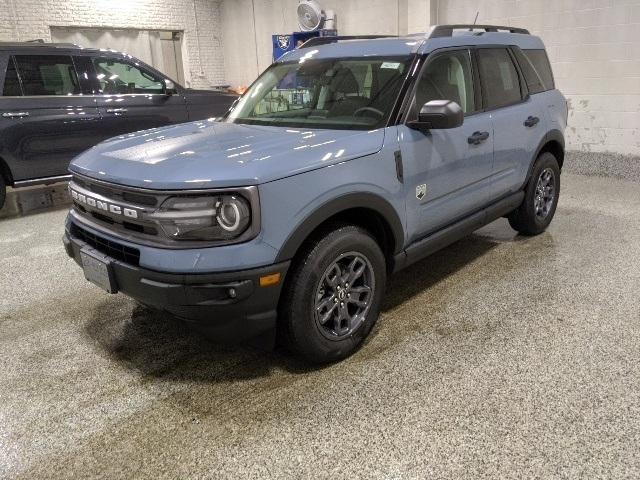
{"type": "Point", "coordinates": [120, 77]}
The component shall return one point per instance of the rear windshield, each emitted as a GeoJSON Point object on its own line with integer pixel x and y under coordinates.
{"type": "Point", "coordinates": [536, 70]}
{"type": "Point", "coordinates": [340, 93]}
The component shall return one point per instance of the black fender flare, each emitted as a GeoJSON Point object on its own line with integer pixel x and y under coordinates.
{"type": "Point", "coordinates": [322, 213]}
{"type": "Point", "coordinates": [552, 135]}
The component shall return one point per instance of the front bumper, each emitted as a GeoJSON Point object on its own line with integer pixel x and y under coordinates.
{"type": "Point", "coordinates": [228, 305]}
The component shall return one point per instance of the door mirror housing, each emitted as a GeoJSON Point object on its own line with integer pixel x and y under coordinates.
{"type": "Point", "coordinates": [438, 114]}
{"type": "Point", "coordinates": [169, 87]}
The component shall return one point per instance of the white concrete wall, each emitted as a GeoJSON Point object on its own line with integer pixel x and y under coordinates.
{"type": "Point", "coordinates": [594, 48]}
{"type": "Point", "coordinates": [202, 52]}
{"type": "Point", "coordinates": [247, 37]}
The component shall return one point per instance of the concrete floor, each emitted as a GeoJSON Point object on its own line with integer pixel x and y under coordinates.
{"type": "Point", "coordinates": [500, 356]}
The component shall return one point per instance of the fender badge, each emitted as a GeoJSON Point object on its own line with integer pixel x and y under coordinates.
{"type": "Point", "coordinates": [421, 191]}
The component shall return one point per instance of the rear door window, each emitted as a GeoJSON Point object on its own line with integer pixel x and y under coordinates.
{"type": "Point", "coordinates": [47, 75]}
{"type": "Point", "coordinates": [540, 62]}
{"type": "Point", "coordinates": [117, 76]}
{"type": "Point", "coordinates": [11, 82]}
{"type": "Point", "coordinates": [500, 81]}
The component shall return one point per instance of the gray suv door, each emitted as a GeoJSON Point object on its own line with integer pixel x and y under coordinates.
{"type": "Point", "coordinates": [131, 97]}
{"type": "Point", "coordinates": [45, 119]}
{"type": "Point", "coordinates": [447, 172]}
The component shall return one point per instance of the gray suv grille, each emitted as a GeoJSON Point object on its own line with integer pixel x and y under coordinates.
{"type": "Point", "coordinates": [117, 208]}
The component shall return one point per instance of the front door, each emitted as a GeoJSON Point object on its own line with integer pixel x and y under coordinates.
{"type": "Point", "coordinates": [447, 173]}
{"type": "Point", "coordinates": [46, 119]}
{"type": "Point", "coordinates": [132, 97]}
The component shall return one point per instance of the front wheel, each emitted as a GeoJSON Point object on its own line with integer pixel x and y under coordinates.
{"type": "Point", "coordinates": [332, 297]}
{"type": "Point", "coordinates": [535, 213]}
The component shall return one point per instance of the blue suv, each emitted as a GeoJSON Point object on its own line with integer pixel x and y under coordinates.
{"type": "Point", "coordinates": [346, 160]}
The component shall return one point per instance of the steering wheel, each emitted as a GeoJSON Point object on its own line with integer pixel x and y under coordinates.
{"type": "Point", "coordinates": [369, 109]}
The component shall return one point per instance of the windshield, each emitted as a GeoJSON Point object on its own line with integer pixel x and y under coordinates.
{"type": "Point", "coordinates": [341, 93]}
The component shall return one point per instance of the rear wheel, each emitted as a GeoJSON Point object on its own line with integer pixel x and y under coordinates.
{"type": "Point", "coordinates": [535, 213]}
{"type": "Point", "coordinates": [332, 296]}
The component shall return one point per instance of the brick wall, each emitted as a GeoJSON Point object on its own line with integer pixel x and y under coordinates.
{"type": "Point", "coordinates": [202, 53]}
{"type": "Point", "coordinates": [594, 49]}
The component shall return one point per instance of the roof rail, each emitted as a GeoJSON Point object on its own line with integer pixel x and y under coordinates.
{"type": "Point", "coordinates": [447, 30]}
{"type": "Point", "coordinates": [39, 44]}
{"type": "Point", "coordinates": [312, 42]}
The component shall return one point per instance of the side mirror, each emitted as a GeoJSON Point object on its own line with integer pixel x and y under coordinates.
{"type": "Point", "coordinates": [438, 114]}
{"type": "Point", "coordinates": [169, 87]}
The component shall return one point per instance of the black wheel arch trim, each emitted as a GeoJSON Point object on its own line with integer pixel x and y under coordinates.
{"type": "Point", "coordinates": [551, 136]}
{"type": "Point", "coordinates": [324, 212]}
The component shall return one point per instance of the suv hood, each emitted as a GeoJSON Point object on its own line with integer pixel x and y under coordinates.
{"type": "Point", "coordinates": [209, 154]}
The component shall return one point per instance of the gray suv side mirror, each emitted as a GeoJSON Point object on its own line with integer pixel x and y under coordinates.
{"type": "Point", "coordinates": [169, 87]}
{"type": "Point", "coordinates": [438, 114]}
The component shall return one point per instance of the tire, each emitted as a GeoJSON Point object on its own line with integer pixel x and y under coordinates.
{"type": "Point", "coordinates": [535, 213]}
{"type": "Point", "coordinates": [3, 191]}
{"type": "Point", "coordinates": [322, 317]}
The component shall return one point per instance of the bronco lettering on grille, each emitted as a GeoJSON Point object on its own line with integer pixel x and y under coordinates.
{"type": "Point", "coordinates": [102, 205]}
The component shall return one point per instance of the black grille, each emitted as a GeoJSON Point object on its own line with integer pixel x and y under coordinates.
{"type": "Point", "coordinates": [108, 247]}
{"type": "Point", "coordinates": [118, 193]}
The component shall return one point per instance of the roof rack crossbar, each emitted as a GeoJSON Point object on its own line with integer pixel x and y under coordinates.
{"type": "Point", "coordinates": [312, 42]}
{"type": "Point", "coordinates": [447, 30]}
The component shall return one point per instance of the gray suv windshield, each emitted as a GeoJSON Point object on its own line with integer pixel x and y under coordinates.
{"type": "Point", "coordinates": [341, 93]}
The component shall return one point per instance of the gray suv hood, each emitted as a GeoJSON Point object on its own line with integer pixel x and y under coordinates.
{"type": "Point", "coordinates": [209, 154]}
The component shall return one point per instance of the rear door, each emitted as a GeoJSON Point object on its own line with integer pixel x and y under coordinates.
{"type": "Point", "coordinates": [46, 118]}
{"type": "Point", "coordinates": [132, 97]}
{"type": "Point", "coordinates": [518, 120]}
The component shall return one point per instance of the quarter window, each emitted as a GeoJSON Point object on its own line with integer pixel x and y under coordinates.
{"type": "Point", "coordinates": [47, 75]}
{"type": "Point", "coordinates": [531, 76]}
{"type": "Point", "coordinates": [540, 62]}
{"type": "Point", "coordinates": [11, 82]}
{"type": "Point", "coordinates": [447, 77]}
{"type": "Point", "coordinates": [500, 82]}
{"type": "Point", "coordinates": [117, 77]}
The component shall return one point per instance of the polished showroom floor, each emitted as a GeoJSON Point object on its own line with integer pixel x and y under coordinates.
{"type": "Point", "coordinates": [499, 356]}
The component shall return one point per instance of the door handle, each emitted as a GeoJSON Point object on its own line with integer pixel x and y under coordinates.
{"type": "Point", "coordinates": [116, 110]}
{"type": "Point", "coordinates": [15, 114]}
{"type": "Point", "coordinates": [531, 121]}
{"type": "Point", "coordinates": [477, 138]}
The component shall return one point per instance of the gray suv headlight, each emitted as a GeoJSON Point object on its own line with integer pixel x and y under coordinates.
{"type": "Point", "coordinates": [215, 217]}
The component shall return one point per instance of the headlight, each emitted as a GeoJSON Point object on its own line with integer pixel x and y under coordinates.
{"type": "Point", "coordinates": [219, 217]}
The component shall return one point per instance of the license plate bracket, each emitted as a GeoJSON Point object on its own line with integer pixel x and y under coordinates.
{"type": "Point", "coordinates": [97, 269]}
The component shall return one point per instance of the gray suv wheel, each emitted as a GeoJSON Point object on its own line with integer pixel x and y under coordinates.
{"type": "Point", "coordinates": [541, 195]}
{"type": "Point", "coordinates": [331, 298]}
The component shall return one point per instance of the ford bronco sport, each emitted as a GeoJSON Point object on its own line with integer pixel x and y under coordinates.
{"type": "Point", "coordinates": [346, 160]}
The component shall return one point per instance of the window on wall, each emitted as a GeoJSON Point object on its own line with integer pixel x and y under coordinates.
{"type": "Point", "coordinates": [47, 75]}
{"type": "Point", "coordinates": [447, 77]}
{"type": "Point", "coordinates": [500, 82]}
{"type": "Point", "coordinates": [11, 83]}
{"type": "Point", "coordinates": [116, 76]}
